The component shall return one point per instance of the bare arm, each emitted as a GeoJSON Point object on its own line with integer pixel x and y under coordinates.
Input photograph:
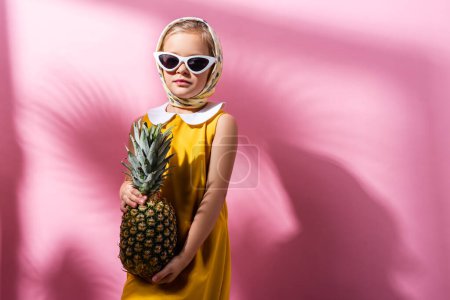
{"type": "Point", "coordinates": [223, 154]}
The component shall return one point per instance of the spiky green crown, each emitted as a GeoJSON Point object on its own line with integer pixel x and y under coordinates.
{"type": "Point", "coordinates": [148, 163]}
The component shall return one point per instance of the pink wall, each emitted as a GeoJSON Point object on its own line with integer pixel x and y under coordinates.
{"type": "Point", "coordinates": [340, 187]}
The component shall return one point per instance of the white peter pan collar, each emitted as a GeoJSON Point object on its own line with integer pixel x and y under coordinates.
{"type": "Point", "coordinates": [159, 114]}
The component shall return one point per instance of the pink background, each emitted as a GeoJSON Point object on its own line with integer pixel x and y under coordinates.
{"type": "Point", "coordinates": [340, 189]}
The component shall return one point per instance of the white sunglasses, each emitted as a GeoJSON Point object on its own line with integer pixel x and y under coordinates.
{"type": "Point", "coordinates": [196, 63]}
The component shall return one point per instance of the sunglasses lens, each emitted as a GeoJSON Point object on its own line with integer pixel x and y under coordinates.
{"type": "Point", "coordinates": [197, 63]}
{"type": "Point", "coordinates": [168, 61]}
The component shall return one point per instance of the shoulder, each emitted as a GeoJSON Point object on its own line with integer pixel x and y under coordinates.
{"type": "Point", "coordinates": [226, 127]}
{"type": "Point", "coordinates": [226, 122]}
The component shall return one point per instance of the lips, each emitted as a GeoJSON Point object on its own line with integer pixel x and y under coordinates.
{"type": "Point", "coordinates": [181, 81]}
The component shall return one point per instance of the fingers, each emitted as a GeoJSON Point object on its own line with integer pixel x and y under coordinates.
{"type": "Point", "coordinates": [130, 200]}
{"type": "Point", "coordinates": [140, 199]}
{"type": "Point", "coordinates": [135, 192]}
{"type": "Point", "coordinates": [136, 196]}
{"type": "Point", "coordinates": [167, 279]}
{"type": "Point", "coordinates": [123, 206]}
{"type": "Point", "coordinates": [131, 197]}
{"type": "Point", "coordinates": [162, 277]}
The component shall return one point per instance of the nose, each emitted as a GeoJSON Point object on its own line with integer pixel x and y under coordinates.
{"type": "Point", "coordinates": [182, 68]}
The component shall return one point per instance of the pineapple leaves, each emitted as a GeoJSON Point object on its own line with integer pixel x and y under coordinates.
{"type": "Point", "coordinates": [136, 131]}
{"type": "Point", "coordinates": [164, 148]}
{"type": "Point", "coordinates": [132, 159]}
{"type": "Point", "coordinates": [147, 164]}
{"type": "Point", "coordinates": [126, 173]}
{"type": "Point", "coordinates": [128, 166]}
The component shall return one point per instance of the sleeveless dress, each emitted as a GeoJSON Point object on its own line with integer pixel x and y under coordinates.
{"type": "Point", "coordinates": [208, 276]}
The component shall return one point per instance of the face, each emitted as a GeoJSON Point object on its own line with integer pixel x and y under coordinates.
{"type": "Point", "coordinates": [185, 44]}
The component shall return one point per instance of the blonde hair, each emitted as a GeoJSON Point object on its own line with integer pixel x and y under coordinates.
{"type": "Point", "coordinates": [193, 26]}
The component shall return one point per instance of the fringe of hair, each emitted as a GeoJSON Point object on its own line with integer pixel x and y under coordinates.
{"type": "Point", "coordinates": [193, 26]}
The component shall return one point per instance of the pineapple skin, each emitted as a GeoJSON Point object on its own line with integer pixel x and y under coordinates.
{"type": "Point", "coordinates": [148, 237]}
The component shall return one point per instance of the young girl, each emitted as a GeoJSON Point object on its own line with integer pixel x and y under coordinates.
{"type": "Point", "coordinates": [189, 61]}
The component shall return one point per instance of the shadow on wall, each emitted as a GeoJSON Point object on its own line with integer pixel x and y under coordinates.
{"type": "Point", "coordinates": [84, 157]}
{"type": "Point", "coordinates": [71, 275]}
{"type": "Point", "coordinates": [90, 135]}
{"type": "Point", "coordinates": [348, 247]}
{"type": "Point", "coordinates": [11, 171]}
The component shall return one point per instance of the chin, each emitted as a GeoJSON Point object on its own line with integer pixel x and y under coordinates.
{"type": "Point", "coordinates": [183, 93]}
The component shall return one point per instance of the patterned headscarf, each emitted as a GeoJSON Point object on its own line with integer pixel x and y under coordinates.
{"type": "Point", "coordinates": [201, 98]}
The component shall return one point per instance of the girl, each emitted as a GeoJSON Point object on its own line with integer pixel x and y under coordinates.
{"type": "Point", "coordinates": [189, 61]}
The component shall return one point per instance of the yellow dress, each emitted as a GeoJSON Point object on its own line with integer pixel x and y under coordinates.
{"type": "Point", "coordinates": [208, 276]}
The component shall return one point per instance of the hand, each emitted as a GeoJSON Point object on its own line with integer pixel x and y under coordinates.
{"type": "Point", "coordinates": [171, 270]}
{"type": "Point", "coordinates": [130, 196]}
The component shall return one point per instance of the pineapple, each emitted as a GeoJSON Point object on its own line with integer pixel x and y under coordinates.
{"type": "Point", "coordinates": [148, 233]}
